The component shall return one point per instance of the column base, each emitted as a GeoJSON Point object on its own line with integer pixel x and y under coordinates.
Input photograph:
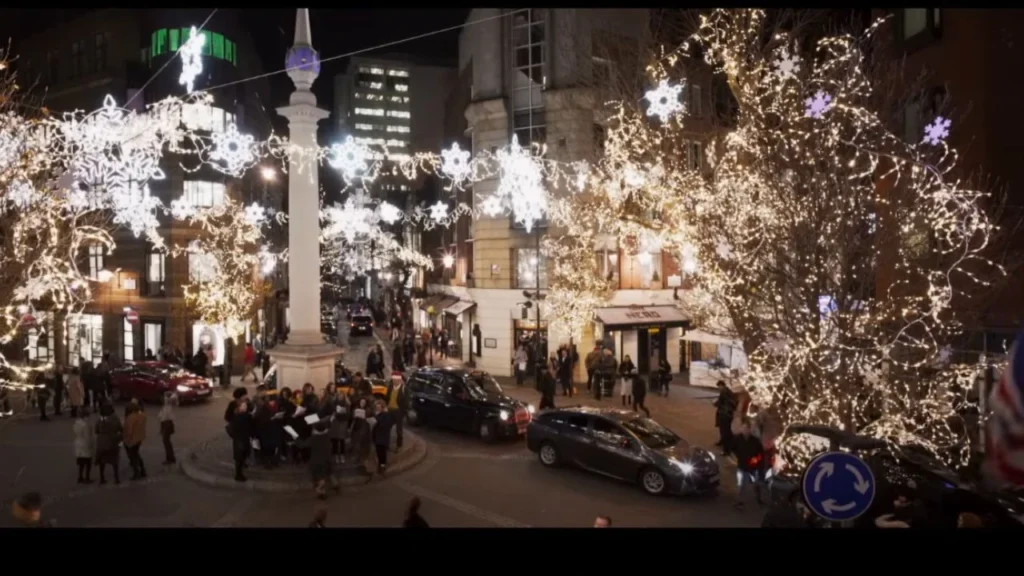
{"type": "Point", "coordinates": [301, 364]}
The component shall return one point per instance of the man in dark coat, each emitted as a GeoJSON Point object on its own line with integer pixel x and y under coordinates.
{"type": "Point", "coordinates": [381, 436]}
{"type": "Point", "coordinates": [606, 370]}
{"type": "Point", "coordinates": [109, 432]}
{"type": "Point", "coordinates": [199, 361]}
{"type": "Point", "coordinates": [547, 387]}
{"type": "Point", "coordinates": [590, 363]}
{"type": "Point", "coordinates": [396, 358]}
{"type": "Point", "coordinates": [241, 437]}
{"type": "Point", "coordinates": [749, 454]}
{"type": "Point", "coordinates": [639, 391]}
{"type": "Point", "coordinates": [725, 409]}
{"type": "Point", "coordinates": [320, 460]}
{"type": "Point", "coordinates": [58, 389]}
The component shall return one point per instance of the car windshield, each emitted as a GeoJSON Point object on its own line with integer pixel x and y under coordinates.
{"type": "Point", "coordinates": [481, 385]}
{"type": "Point", "coordinates": [651, 433]}
{"type": "Point", "coordinates": [166, 370]}
{"type": "Point", "coordinates": [362, 319]}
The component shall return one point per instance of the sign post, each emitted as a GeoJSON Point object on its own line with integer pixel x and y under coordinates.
{"type": "Point", "coordinates": [838, 486]}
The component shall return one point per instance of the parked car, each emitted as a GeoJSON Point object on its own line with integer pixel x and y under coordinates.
{"type": "Point", "coordinates": [343, 382]}
{"type": "Point", "coordinates": [360, 324]}
{"type": "Point", "coordinates": [944, 495]}
{"type": "Point", "coordinates": [148, 381]}
{"type": "Point", "coordinates": [622, 445]}
{"type": "Point", "coordinates": [466, 401]}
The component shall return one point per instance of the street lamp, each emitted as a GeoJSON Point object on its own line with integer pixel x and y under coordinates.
{"type": "Point", "coordinates": [448, 260]}
{"type": "Point", "coordinates": [268, 174]}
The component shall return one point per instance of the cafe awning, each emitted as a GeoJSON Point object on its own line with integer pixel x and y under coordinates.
{"type": "Point", "coordinates": [710, 338]}
{"type": "Point", "coordinates": [431, 301]}
{"type": "Point", "coordinates": [444, 303]}
{"type": "Point", "coordinates": [639, 317]}
{"type": "Point", "coordinates": [460, 307]}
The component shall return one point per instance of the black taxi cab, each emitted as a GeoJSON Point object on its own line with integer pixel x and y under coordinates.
{"type": "Point", "coordinates": [468, 401]}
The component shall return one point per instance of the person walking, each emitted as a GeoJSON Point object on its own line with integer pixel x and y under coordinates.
{"type": "Point", "coordinates": [547, 388]}
{"type": "Point", "coordinates": [664, 376]}
{"type": "Point", "coordinates": [76, 392]}
{"type": "Point", "coordinates": [381, 433]}
{"type": "Point", "coordinates": [749, 455]}
{"type": "Point", "coordinates": [725, 409]}
{"type": "Point", "coordinates": [249, 363]}
{"type": "Point", "coordinates": [57, 380]}
{"type": "Point", "coordinates": [371, 362]}
{"type": "Point", "coordinates": [318, 444]}
{"type": "Point", "coordinates": [241, 437]}
{"type": "Point", "coordinates": [412, 515]}
{"type": "Point", "coordinates": [590, 362]}
{"type": "Point", "coordinates": [134, 435]}
{"type": "Point", "coordinates": [520, 363]}
{"type": "Point", "coordinates": [397, 362]}
{"type": "Point", "coordinates": [626, 369]}
{"type": "Point", "coordinates": [43, 390]}
{"type": "Point", "coordinates": [166, 418]}
{"type": "Point", "coordinates": [85, 445]}
{"type": "Point", "coordinates": [565, 371]}
{"type": "Point", "coordinates": [398, 403]}
{"type": "Point", "coordinates": [108, 443]}
{"type": "Point", "coordinates": [639, 392]}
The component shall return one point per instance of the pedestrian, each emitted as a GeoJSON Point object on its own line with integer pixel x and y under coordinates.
{"type": "Point", "coordinates": [267, 428]}
{"type": "Point", "coordinates": [421, 356]}
{"type": "Point", "coordinates": [380, 361]}
{"type": "Point", "coordinates": [103, 374]}
{"type": "Point", "coordinates": [359, 430]}
{"type": "Point", "coordinates": [603, 522]}
{"type": "Point", "coordinates": [639, 392]}
{"type": "Point", "coordinates": [76, 392]}
{"type": "Point", "coordinates": [520, 363]}
{"type": "Point", "coordinates": [166, 418]}
{"type": "Point", "coordinates": [412, 515]}
{"type": "Point", "coordinates": [108, 443]}
{"type": "Point", "coordinates": [340, 426]}
{"type": "Point", "coordinates": [397, 363]}
{"type": "Point", "coordinates": [265, 365]}
{"type": "Point", "coordinates": [241, 437]}
{"type": "Point", "coordinates": [749, 455]}
{"type": "Point", "coordinates": [398, 404]}
{"type": "Point", "coordinates": [384, 421]}
{"type": "Point", "coordinates": [199, 364]}
{"type": "Point", "coordinates": [319, 518]}
{"type": "Point", "coordinates": [664, 375]}
{"type": "Point", "coordinates": [547, 388]}
{"type": "Point", "coordinates": [371, 362]}
{"type": "Point", "coordinates": [134, 435]}
{"type": "Point", "coordinates": [607, 367]}
{"type": "Point", "coordinates": [148, 356]}
{"type": "Point", "coordinates": [565, 371]}
{"type": "Point", "coordinates": [318, 444]}
{"type": "Point", "coordinates": [44, 390]}
{"type": "Point", "coordinates": [85, 445]}
{"type": "Point", "coordinates": [58, 389]}
{"type": "Point", "coordinates": [28, 510]}
{"type": "Point", "coordinates": [626, 369]}
{"type": "Point", "coordinates": [725, 409]}
{"type": "Point", "coordinates": [249, 363]}
{"type": "Point", "coordinates": [590, 363]}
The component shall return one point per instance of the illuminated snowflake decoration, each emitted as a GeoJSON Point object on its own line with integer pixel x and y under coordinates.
{"type": "Point", "coordinates": [351, 158]}
{"type": "Point", "coordinates": [233, 149]}
{"type": "Point", "coordinates": [438, 212]}
{"type": "Point", "coordinates": [191, 53]}
{"type": "Point", "coordinates": [724, 250]}
{"type": "Point", "coordinates": [787, 65]}
{"type": "Point", "coordinates": [351, 220]}
{"type": "Point", "coordinates": [389, 213]}
{"type": "Point", "coordinates": [202, 266]}
{"type": "Point", "coordinates": [521, 188]}
{"type": "Point", "coordinates": [455, 164]}
{"type": "Point", "coordinates": [268, 261]}
{"type": "Point", "coordinates": [21, 194]}
{"type": "Point", "coordinates": [491, 206]}
{"type": "Point", "coordinates": [255, 215]}
{"type": "Point", "coordinates": [582, 175]}
{"type": "Point", "coordinates": [818, 105]}
{"type": "Point", "coordinates": [937, 132]}
{"type": "Point", "coordinates": [664, 100]}
{"type": "Point", "coordinates": [182, 209]}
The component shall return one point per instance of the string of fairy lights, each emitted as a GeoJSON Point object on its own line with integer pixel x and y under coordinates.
{"type": "Point", "coordinates": [798, 233]}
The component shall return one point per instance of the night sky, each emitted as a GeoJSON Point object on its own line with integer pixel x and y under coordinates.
{"type": "Point", "coordinates": [334, 32]}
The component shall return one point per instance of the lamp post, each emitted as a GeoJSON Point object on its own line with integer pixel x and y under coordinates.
{"type": "Point", "coordinates": [267, 175]}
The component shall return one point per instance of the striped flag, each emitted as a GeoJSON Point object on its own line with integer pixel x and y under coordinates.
{"type": "Point", "coordinates": [1005, 438]}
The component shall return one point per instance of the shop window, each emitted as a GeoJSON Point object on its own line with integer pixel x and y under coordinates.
{"type": "Point", "coordinates": [531, 266]}
{"type": "Point", "coordinates": [96, 254]}
{"type": "Point", "coordinates": [84, 338]}
{"type": "Point", "coordinates": [40, 339]}
{"type": "Point", "coordinates": [155, 273]}
{"type": "Point", "coordinates": [129, 340]}
{"type": "Point", "coordinates": [203, 193]}
{"type": "Point", "coordinates": [153, 337]}
{"type": "Point", "coordinates": [642, 271]}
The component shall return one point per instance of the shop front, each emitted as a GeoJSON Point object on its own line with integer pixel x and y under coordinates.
{"type": "Point", "coordinates": [647, 334]}
{"type": "Point", "coordinates": [456, 317]}
{"type": "Point", "coordinates": [535, 339]}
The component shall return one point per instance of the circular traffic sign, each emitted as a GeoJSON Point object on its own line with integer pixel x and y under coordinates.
{"type": "Point", "coordinates": [132, 316]}
{"type": "Point", "coordinates": [838, 486]}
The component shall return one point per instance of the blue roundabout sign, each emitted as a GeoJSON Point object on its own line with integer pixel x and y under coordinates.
{"type": "Point", "coordinates": [838, 486]}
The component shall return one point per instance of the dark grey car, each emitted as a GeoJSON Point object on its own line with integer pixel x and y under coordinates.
{"type": "Point", "coordinates": [622, 445]}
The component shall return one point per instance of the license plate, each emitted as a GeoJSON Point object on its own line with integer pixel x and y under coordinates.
{"type": "Point", "coordinates": [203, 391]}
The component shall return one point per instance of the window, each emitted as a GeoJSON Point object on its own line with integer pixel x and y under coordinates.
{"type": "Point", "coordinates": [577, 424]}
{"type": "Point", "coordinates": [398, 113]}
{"type": "Point", "coordinates": [363, 126]}
{"type": "Point", "coordinates": [96, 252]}
{"type": "Point", "coordinates": [371, 97]}
{"type": "Point", "coordinates": [370, 111]}
{"type": "Point", "coordinates": [528, 58]}
{"type": "Point", "coordinates": [170, 40]}
{"type": "Point", "coordinates": [399, 73]}
{"type": "Point", "coordinates": [206, 117]}
{"type": "Point", "coordinates": [100, 52]}
{"type": "Point", "coordinates": [695, 101]}
{"type": "Point", "coordinates": [694, 155]}
{"type": "Point", "coordinates": [201, 267]}
{"type": "Point", "coordinates": [370, 141]}
{"type": "Point", "coordinates": [84, 337]}
{"type": "Point", "coordinates": [371, 70]}
{"type": "Point", "coordinates": [153, 336]}
{"type": "Point", "coordinates": [78, 63]}
{"type": "Point", "coordinates": [398, 99]}
{"type": "Point", "coordinates": [371, 85]}
{"type": "Point", "coordinates": [129, 340]}
{"type": "Point", "coordinates": [400, 129]}
{"type": "Point", "coordinates": [608, 432]}
{"type": "Point", "coordinates": [401, 87]}
{"type": "Point", "coordinates": [608, 266]}
{"type": "Point", "coordinates": [155, 271]}
{"type": "Point", "coordinates": [642, 271]}
{"type": "Point", "coordinates": [40, 338]}
{"type": "Point", "coordinates": [919, 20]}
{"type": "Point", "coordinates": [203, 193]}
{"type": "Point", "coordinates": [528, 266]}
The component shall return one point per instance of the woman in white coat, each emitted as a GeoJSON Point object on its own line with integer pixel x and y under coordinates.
{"type": "Point", "coordinates": [85, 445]}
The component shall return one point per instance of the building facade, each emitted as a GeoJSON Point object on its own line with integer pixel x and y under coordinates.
{"type": "Point", "coordinates": [139, 301]}
{"type": "Point", "coordinates": [536, 75]}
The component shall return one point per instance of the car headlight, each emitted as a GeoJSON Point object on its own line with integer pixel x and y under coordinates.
{"type": "Point", "coordinates": [182, 388]}
{"type": "Point", "coordinates": [685, 467]}
{"type": "Point", "coordinates": [530, 408]}
{"type": "Point", "coordinates": [503, 415]}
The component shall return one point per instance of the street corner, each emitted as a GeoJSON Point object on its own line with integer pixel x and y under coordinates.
{"type": "Point", "coordinates": [211, 464]}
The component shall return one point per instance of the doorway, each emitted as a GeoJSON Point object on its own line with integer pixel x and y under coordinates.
{"type": "Point", "coordinates": [651, 349]}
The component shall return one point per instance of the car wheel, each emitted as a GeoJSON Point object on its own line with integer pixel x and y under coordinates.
{"type": "Point", "coordinates": [413, 418]}
{"type": "Point", "coordinates": [488, 432]}
{"type": "Point", "coordinates": [652, 481]}
{"type": "Point", "coordinates": [548, 455]}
